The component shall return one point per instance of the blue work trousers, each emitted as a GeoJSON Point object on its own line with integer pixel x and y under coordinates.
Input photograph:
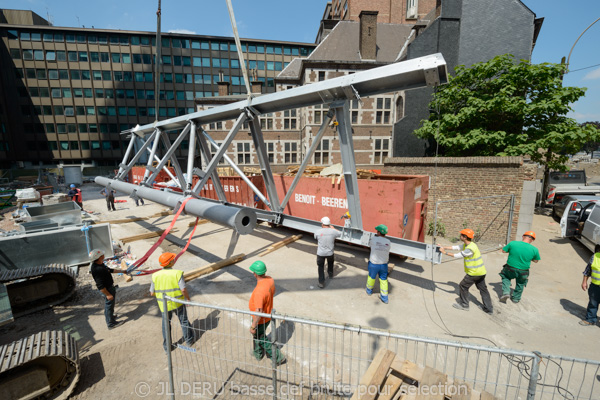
{"type": "Point", "coordinates": [188, 333]}
{"type": "Point", "coordinates": [592, 308]}
{"type": "Point", "coordinates": [109, 307]}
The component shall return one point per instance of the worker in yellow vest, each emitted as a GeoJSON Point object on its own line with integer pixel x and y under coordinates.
{"type": "Point", "coordinates": [475, 270]}
{"type": "Point", "coordinates": [592, 270]}
{"type": "Point", "coordinates": [170, 282]}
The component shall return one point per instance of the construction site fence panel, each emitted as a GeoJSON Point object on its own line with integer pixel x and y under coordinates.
{"type": "Point", "coordinates": [327, 360]}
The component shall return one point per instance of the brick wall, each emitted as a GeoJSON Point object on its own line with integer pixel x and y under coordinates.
{"type": "Point", "coordinates": [454, 178]}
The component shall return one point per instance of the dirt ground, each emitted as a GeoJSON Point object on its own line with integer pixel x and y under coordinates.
{"type": "Point", "coordinates": [421, 295]}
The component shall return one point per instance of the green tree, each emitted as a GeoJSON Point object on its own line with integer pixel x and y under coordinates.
{"type": "Point", "coordinates": [506, 108]}
{"type": "Point", "coordinates": [591, 146]}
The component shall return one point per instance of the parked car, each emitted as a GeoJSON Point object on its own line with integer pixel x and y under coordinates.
{"type": "Point", "coordinates": [580, 201]}
{"type": "Point", "coordinates": [582, 223]}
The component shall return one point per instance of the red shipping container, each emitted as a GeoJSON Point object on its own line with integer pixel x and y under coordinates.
{"type": "Point", "coordinates": [236, 190]}
{"type": "Point", "coordinates": [400, 202]}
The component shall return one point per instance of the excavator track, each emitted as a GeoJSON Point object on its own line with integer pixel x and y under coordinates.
{"type": "Point", "coordinates": [41, 366]}
{"type": "Point", "coordinates": [36, 288]}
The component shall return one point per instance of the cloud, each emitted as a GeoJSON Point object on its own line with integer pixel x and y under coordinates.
{"type": "Point", "coordinates": [581, 117]}
{"type": "Point", "coordinates": [185, 31]}
{"type": "Point", "coordinates": [595, 74]}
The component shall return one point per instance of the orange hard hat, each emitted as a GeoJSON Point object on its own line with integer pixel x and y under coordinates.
{"type": "Point", "coordinates": [166, 258]}
{"type": "Point", "coordinates": [468, 233]}
{"type": "Point", "coordinates": [530, 233]}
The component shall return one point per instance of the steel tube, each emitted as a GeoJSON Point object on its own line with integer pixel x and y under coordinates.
{"type": "Point", "coordinates": [243, 220]}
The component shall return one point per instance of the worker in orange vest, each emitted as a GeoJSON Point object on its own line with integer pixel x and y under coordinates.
{"type": "Point", "coordinates": [75, 195]}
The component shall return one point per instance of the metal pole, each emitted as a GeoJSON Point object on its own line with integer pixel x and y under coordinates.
{"type": "Point", "coordinates": [157, 136]}
{"type": "Point", "coordinates": [569, 58]}
{"type": "Point", "coordinates": [157, 64]}
{"type": "Point", "coordinates": [167, 329]}
{"type": "Point", "coordinates": [166, 169]}
{"type": "Point", "coordinates": [127, 153]}
{"type": "Point", "coordinates": [239, 171]}
{"type": "Point", "coordinates": [342, 114]}
{"type": "Point", "coordinates": [263, 161]}
{"type": "Point", "coordinates": [533, 377]}
{"type": "Point", "coordinates": [239, 49]}
{"type": "Point", "coordinates": [306, 160]}
{"type": "Point", "coordinates": [137, 156]}
{"type": "Point", "coordinates": [510, 218]}
{"type": "Point", "coordinates": [274, 353]}
{"type": "Point", "coordinates": [191, 155]}
{"type": "Point", "coordinates": [206, 157]}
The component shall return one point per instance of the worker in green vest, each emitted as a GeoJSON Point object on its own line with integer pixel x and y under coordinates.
{"type": "Point", "coordinates": [475, 270]}
{"type": "Point", "coordinates": [170, 282]}
{"type": "Point", "coordinates": [592, 270]}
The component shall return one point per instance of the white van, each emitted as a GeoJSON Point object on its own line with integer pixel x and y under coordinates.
{"type": "Point", "coordinates": [582, 223]}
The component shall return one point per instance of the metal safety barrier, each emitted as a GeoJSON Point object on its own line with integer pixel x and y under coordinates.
{"type": "Point", "coordinates": [327, 360]}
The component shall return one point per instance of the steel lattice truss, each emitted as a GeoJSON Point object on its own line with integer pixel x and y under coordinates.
{"type": "Point", "coordinates": [336, 93]}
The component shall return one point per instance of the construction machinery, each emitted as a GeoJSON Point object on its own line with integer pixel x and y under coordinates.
{"type": "Point", "coordinates": [46, 364]}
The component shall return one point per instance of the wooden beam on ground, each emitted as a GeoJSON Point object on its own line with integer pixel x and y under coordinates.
{"type": "Point", "coordinates": [375, 375]}
{"type": "Point", "coordinates": [147, 235]}
{"type": "Point", "coordinates": [207, 269]}
{"type": "Point", "coordinates": [161, 214]}
{"type": "Point", "coordinates": [390, 386]}
{"type": "Point", "coordinates": [200, 222]}
{"type": "Point", "coordinates": [280, 244]}
{"type": "Point", "coordinates": [121, 221]}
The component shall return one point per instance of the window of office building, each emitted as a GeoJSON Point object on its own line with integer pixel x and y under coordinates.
{"type": "Point", "coordinates": [289, 119]}
{"type": "Point", "coordinates": [266, 121]}
{"type": "Point", "coordinates": [290, 152]}
{"type": "Point", "coordinates": [244, 156]}
{"type": "Point", "coordinates": [321, 156]}
{"type": "Point", "coordinates": [381, 150]}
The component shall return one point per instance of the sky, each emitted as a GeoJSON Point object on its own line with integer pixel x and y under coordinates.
{"type": "Point", "coordinates": [298, 21]}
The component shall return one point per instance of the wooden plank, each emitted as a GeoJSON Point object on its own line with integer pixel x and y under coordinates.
{"type": "Point", "coordinates": [200, 222]}
{"type": "Point", "coordinates": [487, 396]}
{"type": "Point", "coordinates": [142, 236]}
{"type": "Point", "coordinates": [408, 369]}
{"type": "Point", "coordinates": [390, 387]}
{"type": "Point", "coordinates": [374, 376]}
{"type": "Point", "coordinates": [207, 269]}
{"type": "Point", "coordinates": [432, 385]}
{"type": "Point", "coordinates": [280, 244]}
{"type": "Point", "coordinates": [457, 394]}
{"type": "Point", "coordinates": [121, 221]}
{"type": "Point", "coordinates": [161, 214]}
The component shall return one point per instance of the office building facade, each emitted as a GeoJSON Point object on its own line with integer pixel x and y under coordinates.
{"type": "Point", "coordinates": [67, 93]}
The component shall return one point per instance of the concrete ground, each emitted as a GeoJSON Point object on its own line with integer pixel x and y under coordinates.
{"type": "Point", "coordinates": [421, 297]}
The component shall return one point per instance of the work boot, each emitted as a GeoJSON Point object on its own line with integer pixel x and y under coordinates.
{"type": "Point", "coordinates": [118, 323]}
{"type": "Point", "coordinates": [459, 306]}
{"type": "Point", "coordinates": [369, 291]}
{"type": "Point", "coordinates": [504, 298]}
{"type": "Point", "coordinates": [584, 322]}
{"type": "Point", "coordinates": [321, 285]}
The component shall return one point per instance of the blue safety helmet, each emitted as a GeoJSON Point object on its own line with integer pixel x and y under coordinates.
{"type": "Point", "coordinates": [72, 185]}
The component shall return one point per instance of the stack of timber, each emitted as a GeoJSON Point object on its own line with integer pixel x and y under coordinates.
{"type": "Point", "coordinates": [315, 171]}
{"type": "Point", "coordinates": [391, 378]}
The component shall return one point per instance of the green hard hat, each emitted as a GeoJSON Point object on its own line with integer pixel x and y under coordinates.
{"type": "Point", "coordinates": [381, 229]}
{"type": "Point", "coordinates": [258, 267]}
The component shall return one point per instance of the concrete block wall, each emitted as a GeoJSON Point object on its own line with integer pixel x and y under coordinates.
{"type": "Point", "coordinates": [460, 178]}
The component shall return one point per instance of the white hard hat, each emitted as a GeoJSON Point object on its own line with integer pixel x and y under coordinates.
{"type": "Point", "coordinates": [325, 221]}
{"type": "Point", "coordinates": [96, 254]}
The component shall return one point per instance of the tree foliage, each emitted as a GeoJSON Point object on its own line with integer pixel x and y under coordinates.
{"type": "Point", "coordinates": [506, 108]}
{"type": "Point", "coordinates": [593, 145]}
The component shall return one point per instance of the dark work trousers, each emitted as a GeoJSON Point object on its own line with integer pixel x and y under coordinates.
{"type": "Point", "coordinates": [592, 308]}
{"type": "Point", "coordinates": [109, 307]}
{"type": "Point", "coordinates": [479, 281]}
{"type": "Point", "coordinates": [186, 327]}
{"type": "Point", "coordinates": [321, 265]}
{"type": "Point", "coordinates": [110, 202]}
{"type": "Point", "coordinates": [262, 344]}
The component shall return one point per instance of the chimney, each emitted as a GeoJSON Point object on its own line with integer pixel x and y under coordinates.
{"type": "Point", "coordinates": [257, 87]}
{"type": "Point", "coordinates": [223, 88]}
{"type": "Point", "coordinates": [368, 35]}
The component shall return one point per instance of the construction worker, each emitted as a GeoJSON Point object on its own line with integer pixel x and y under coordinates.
{"type": "Point", "coordinates": [378, 262]}
{"type": "Point", "coordinates": [520, 256]}
{"type": "Point", "coordinates": [110, 198]}
{"type": "Point", "coordinates": [137, 198]}
{"type": "Point", "coordinates": [75, 195]}
{"type": "Point", "coordinates": [105, 284]}
{"type": "Point", "coordinates": [592, 270]}
{"type": "Point", "coordinates": [170, 282]}
{"type": "Point", "coordinates": [475, 270]}
{"type": "Point", "coordinates": [261, 301]}
{"type": "Point", "coordinates": [325, 242]}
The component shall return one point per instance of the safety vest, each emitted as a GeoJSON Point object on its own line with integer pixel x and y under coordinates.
{"type": "Point", "coordinates": [167, 282]}
{"type": "Point", "coordinates": [474, 264]}
{"type": "Point", "coordinates": [596, 269]}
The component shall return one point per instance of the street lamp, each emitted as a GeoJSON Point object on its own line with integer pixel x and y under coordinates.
{"type": "Point", "coordinates": [569, 58]}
